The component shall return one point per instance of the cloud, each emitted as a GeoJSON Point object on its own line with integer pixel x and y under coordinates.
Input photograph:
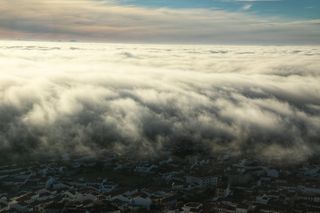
{"type": "Point", "coordinates": [109, 21]}
{"type": "Point", "coordinates": [247, 7]}
{"type": "Point", "coordinates": [141, 100]}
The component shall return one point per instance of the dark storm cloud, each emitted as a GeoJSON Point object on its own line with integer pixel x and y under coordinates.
{"type": "Point", "coordinates": [140, 100]}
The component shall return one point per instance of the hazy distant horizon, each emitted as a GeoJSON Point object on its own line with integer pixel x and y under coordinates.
{"type": "Point", "coordinates": [159, 43]}
{"type": "Point", "coordinates": [257, 22]}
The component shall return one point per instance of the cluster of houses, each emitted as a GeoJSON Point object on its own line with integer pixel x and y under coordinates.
{"type": "Point", "coordinates": [193, 184]}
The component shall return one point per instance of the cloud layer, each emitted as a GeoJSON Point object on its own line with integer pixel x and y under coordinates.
{"type": "Point", "coordinates": [142, 99]}
{"type": "Point", "coordinates": [109, 21]}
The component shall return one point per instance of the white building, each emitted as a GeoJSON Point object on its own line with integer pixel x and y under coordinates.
{"type": "Point", "coordinates": [192, 207]}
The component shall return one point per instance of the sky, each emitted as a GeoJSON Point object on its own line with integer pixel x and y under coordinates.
{"type": "Point", "coordinates": [308, 9]}
{"type": "Point", "coordinates": [163, 21]}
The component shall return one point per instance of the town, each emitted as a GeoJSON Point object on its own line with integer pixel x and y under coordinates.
{"type": "Point", "coordinates": [190, 184]}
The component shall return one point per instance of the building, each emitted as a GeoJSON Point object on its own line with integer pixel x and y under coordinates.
{"type": "Point", "coordinates": [192, 207]}
{"type": "Point", "coordinates": [202, 182]}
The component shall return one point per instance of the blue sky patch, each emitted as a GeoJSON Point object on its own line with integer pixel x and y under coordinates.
{"type": "Point", "coordinates": [308, 9]}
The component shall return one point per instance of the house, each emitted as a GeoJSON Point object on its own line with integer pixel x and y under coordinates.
{"type": "Point", "coordinates": [81, 197]}
{"type": "Point", "coordinates": [202, 182]}
{"type": "Point", "coordinates": [222, 207]}
{"type": "Point", "coordinates": [255, 171]}
{"type": "Point", "coordinates": [3, 202]}
{"type": "Point", "coordinates": [192, 207]}
{"type": "Point", "coordinates": [229, 207]}
{"type": "Point", "coordinates": [42, 195]}
{"type": "Point", "coordinates": [223, 190]}
{"type": "Point", "coordinates": [272, 173]}
{"type": "Point", "coordinates": [161, 198]}
{"type": "Point", "coordinates": [264, 199]}
{"type": "Point", "coordinates": [51, 207]}
{"type": "Point", "coordinates": [15, 206]}
{"type": "Point", "coordinates": [141, 199]}
{"type": "Point", "coordinates": [122, 205]}
{"type": "Point", "coordinates": [168, 161]}
{"type": "Point", "coordinates": [134, 198]}
{"type": "Point", "coordinates": [264, 208]}
{"type": "Point", "coordinates": [242, 208]}
{"type": "Point", "coordinates": [106, 187]}
{"type": "Point", "coordinates": [313, 197]}
{"type": "Point", "coordinates": [177, 186]}
{"type": "Point", "coordinates": [146, 168]}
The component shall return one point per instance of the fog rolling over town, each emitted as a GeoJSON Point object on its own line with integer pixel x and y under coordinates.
{"type": "Point", "coordinates": [148, 100]}
{"type": "Point", "coordinates": [160, 106]}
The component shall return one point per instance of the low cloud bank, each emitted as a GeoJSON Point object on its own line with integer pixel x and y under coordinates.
{"type": "Point", "coordinates": [141, 100]}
